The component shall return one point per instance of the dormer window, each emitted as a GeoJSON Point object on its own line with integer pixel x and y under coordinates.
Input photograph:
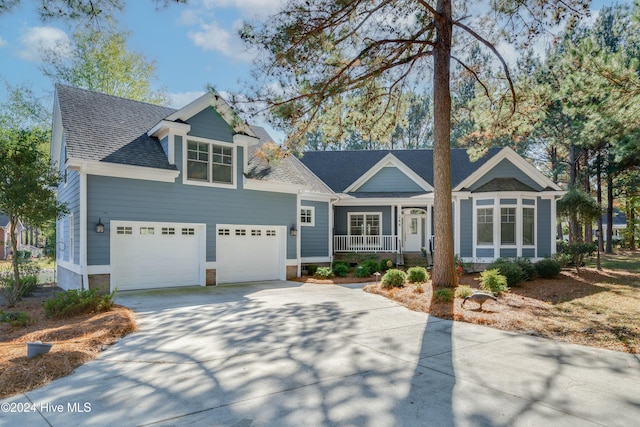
{"type": "Point", "coordinates": [210, 163]}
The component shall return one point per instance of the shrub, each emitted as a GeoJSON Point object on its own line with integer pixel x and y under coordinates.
{"type": "Point", "coordinates": [491, 280]}
{"type": "Point", "coordinates": [548, 268]}
{"type": "Point", "coordinates": [578, 251]}
{"type": "Point", "coordinates": [24, 255]}
{"type": "Point", "coordinates": [463, 291]}
{"type": "Point", "coordinates": [372, 265]}
{"type": "Point", "coordinates": [510, 270]}
{"type": "Point", "coordinates": [76, 302]}
{"type": "Point", "coordinates": [311, 269]}
{"type": "Point", "coordinates": [443, 295]}
{"type": "Point", "coordinates": [339, 263]}
{"type": "Point", "coordinates": [15, 318]}
{"type": "Point", "coordinates": [563, 259]}
{"type": "Point", "coordinates": [362, 271]}
{"type": "Point", "coordinates": [527, 267]}
{"type": "Point", "coordinates": [394, 278]}
{"type": "Point", "coordinates": [385, 264]}
{"type": "Point", "coordinates": [418, 274]}
{"type": "Point", "coordinates": [341, 270]}
{"type": "Point", "coordinates": [324, 273]}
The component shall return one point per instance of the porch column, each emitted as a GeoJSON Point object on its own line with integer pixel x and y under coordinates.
{"type": "Point", "coordinates": [399, 228]}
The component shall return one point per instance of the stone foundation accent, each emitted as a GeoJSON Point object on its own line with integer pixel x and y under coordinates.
{"type": "Point", "coordinates": [100, 282]}
{"type": "Point", "coordinates": [210, 278]}
{"type": "Point", "coordinates": [292, 271]}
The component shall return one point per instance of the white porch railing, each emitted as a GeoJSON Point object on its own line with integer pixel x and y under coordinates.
{"type": "Point", "coordinates": [381, 243]}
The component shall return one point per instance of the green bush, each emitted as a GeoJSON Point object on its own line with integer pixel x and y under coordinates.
{"type": "Point", "coordinates": [371, 265]}
{"type": "Point", "coordinates": [385, 264]}
{"type": "Point", "coordinates": [338, 264]}
{"type": "Point", "coordinates": [311, 269]}
{"type": "Point", "coordinates": [527, 267]}
{"type": "Point", "coordinates": [463, 291]}
{"type": "Point", "coordinates": [15, 318]}
{"type": "Point", "coordinates": [24, 255]}
{"type": "Point", "coordinates": [418, 274]}
{"type": "Point", "coordinates": [509, 269]}
{"type": "Point", "coordinates": [341, 270]}
{"type": "Point", "coordinates": [491, 280]}
{"type": "Point", "coordinates": [563, 259]}
{"type": "Point", "coordinates": [548, 268]}
{"type": "Point", "coordinates": [75, 302]}
{"type": "Point", "coordinates": [394, 278]}
{"type": "Point", "coordinates": [443, 295]}
{"type": "Point", "coordinates": [324, 273]}
{"type": "Point", "coordinates": [362, 271]}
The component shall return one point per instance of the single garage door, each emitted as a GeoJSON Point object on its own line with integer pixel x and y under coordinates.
{"type": "Point", "coordinates": [147, 255]}
{"type": "Point", "coordinates": [250, 253]}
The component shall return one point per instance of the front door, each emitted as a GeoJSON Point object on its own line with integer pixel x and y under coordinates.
{"type": "Point", "coordinates": [413, 233]}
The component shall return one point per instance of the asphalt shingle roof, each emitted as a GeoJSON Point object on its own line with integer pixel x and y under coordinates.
{"type": "Point", "coordinates": [340, 169]}
{"type": "Point", "coordinates": [111, 129]}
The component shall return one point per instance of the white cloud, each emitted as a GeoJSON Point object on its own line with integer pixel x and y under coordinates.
{"type": "Point", "coordinates": [181, 99]}
{"type": "Point", "coordinates": [212, 37]}
{"type": "Point", "coordinates": [2, 42]}
{"type": "Point", "coordinates": [37, 41]}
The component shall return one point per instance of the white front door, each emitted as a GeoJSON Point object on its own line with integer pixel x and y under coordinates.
{"type": "Point", "coordinates": [413, 233]}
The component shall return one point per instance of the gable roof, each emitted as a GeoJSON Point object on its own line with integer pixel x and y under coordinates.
{"type": "Point", "coordinates": [340, 169]}
{"type": "Point", "coordinates": [111, 129]}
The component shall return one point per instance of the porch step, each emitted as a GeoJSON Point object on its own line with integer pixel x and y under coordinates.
{"type": "Point", "coordinates": [415, 259]}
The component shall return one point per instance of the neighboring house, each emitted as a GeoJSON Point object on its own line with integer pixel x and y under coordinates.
{"type": "Point", "coordinates": [161, 197]}
{"type": "Point", "coordinates": [618, 227]}
{"type": "Point", "coordinates": [5, 236]}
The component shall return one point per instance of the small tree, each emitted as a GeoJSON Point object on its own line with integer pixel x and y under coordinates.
{"type": "Point", "coordinates": [579, 209]}
{"type": "Point", "coordinates": [27, 187]}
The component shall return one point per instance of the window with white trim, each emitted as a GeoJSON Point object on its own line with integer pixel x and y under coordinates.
{"type": "Point", "coordinates": [528, 226]}
{"type": "Point", "coordinates": [366, 224]}
{"type": "Point", "coordinates": [208, 162]}
{"type": "Point", "coordinates": [484, 226]}
{"type": "Point", "coordinates": [307, 216]}
{"type": "Point", "coordinates": [507, 226]}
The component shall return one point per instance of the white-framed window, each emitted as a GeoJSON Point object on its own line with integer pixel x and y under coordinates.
{"type": "Point", "coordinates": [307, 216]}
{"type": "Point", "coordinates": [365, 224]}
{"type": "Point", "coordinates": [484, 227]}
{"type": "Point", "coordinates": [528, 226]}
{"type": "Point", "coordinates": [209, 162]}
{"type": "Point", "coordinates": [508, 226]}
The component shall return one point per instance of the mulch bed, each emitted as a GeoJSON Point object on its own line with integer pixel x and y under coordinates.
{"type": "Point", "coordinates": [76, 341]}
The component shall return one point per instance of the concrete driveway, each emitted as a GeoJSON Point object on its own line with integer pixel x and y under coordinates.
{"type": "Point", "coordinates": [287, 354]}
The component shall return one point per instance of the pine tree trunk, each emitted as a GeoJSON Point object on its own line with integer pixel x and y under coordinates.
{"type": "Point", "coordinates": [609, 246]}
{"type": "Point", "coordinates": [444, 274]}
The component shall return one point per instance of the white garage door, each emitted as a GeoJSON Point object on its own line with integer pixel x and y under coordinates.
{"type": "Point", "coordinates": [249, 253]}
{"type": "Point", "coordinates": [148, 255]}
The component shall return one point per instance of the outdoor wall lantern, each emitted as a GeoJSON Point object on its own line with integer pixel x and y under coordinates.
{"type": "Point", "coordinates": [293, 230]}
{"type": "Point", "coordinates": [99, 226]}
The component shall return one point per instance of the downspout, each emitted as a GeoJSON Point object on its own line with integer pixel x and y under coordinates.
{"type": "Point", "coordinates": [331, 230]}
{"type": "Point", "coordinates": [83, 227]}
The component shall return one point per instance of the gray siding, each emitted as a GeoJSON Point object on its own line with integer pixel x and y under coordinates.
{"type": "Point", "coordinates": [528, 202]}
{"type": "Point", "coordinates": [508, 201]}
{"type": "Point", "coordinates": [508, 252]}
{"type": "Point", "coordinates": [466, 228]}
{"type": "Point", "coordinates": [485, 202]}
{"type": "Point", "coordinates": [208, 124]}
{"type": "Point", "coordinates": [315, 239]}
{"type": "Point", "coordinates": [389, 179]}
{"type": "Point", "coordinates": [164, 142]}
{"type": "Point", "coordinates": [138, 200]}
{"type": "Point", "coordinates": [528, 252]}
{"type": "Point", "coordinates": [69, 193]}
{"type": "Point", "coordinates": [506, 169]}
{"type": "Point", "coordinates": [544, 235]}
{"type": "Point", "coordinates": [484, 253]}
{"type": "Point", "coordinates": [341, 221]}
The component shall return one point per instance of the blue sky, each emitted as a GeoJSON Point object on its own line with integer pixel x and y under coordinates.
{"type": "Point", "coordinates": [193, 45]}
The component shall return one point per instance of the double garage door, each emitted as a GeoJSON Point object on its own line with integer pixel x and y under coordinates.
{"type": "Point", "coordinates": [146, 255]}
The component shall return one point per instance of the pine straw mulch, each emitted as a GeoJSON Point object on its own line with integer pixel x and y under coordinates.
{"type": "Point", "coordinates": [594, 308]}
{"type": "Point", "coordinates": [76, 341]}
